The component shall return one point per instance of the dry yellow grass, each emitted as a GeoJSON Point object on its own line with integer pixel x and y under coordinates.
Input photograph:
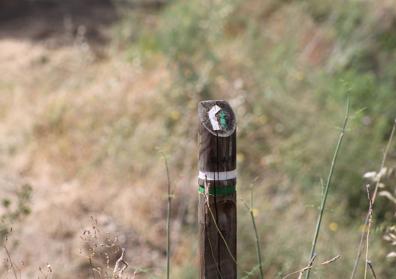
{"type": "Point", "coordinates": [65, 116]}
{"type": "Point", "coordinates": [82, 124]}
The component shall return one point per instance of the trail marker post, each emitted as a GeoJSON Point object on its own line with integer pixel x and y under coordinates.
{"type": "Point", "coordinates": [217, 191]}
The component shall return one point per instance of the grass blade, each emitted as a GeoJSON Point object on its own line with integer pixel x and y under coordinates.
{"type": "Point", "coordinates": [327, 187]}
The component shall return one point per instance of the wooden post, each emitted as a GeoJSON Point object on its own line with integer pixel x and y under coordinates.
{"type": "Point", "coordinates": [217, 192]}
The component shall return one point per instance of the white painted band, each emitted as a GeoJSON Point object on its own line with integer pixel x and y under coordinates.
{"type": "Point", "coordinates": [221, 175]}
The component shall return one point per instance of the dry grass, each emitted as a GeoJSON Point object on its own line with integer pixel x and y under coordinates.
{"type": "Point", "coordinates": [83, 128]}
{"type": "Point", "coordinates": [73, 118]}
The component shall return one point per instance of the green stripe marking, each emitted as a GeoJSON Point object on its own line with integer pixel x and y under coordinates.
{"type": "Point", "coordinates": [218, 191]}
{"type": "Point", "coordinates": [223, 120]}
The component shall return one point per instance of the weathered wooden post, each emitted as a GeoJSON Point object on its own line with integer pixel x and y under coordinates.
{"type": "Point", "coordinates": [217, 192]}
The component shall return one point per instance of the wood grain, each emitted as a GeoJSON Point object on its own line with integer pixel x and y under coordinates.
{"type": "Point", "coordinates": [217, 153]}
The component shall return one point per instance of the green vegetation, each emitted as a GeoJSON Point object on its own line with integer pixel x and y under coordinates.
{"type": "Point", "coordinates": [288, 67]}
{"type": "Point", "coordinates": [93, 128]}
{"type": "Point", "coordinates": [15, 208]}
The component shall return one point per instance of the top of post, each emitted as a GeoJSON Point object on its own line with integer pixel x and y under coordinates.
{"type": "Point", "coordinates": [217, 117]}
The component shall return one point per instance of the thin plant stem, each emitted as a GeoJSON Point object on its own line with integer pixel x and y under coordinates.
{"type": "Point", "coordinates": [370, 211]}
{"type": "Point", "coordinates": [310, 266]}
{"type": "Point", "coordinates": [258, 246]}
{"type": "Point", "coordinates": [372, 269]}
{"type": "Point", "coordinates": [10, 260]}
{"type": "Point", "coordinates": [221, 235]}
{"type": "Point", "coordinates": [367, 219]}
{"type": "Point", "coordinates": [216, 226]}
{"type": "Point", "coordinates": [169, 205]}
{"type": "Point", "coordinates": [118, 269]}
{"type": "Point", "coordinates": [214, 259]}
{"type": "Point", "coordinates": [301, 271]}
{"type": "Point", "coordinates": [327, 187]}
{"type": "Point", "coordinates": [359, 251]}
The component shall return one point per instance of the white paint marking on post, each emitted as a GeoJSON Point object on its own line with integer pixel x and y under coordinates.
{"type": "Point", "coordinates": [213, 119]}
{"type": "Point", "coordinates": [221, 175]}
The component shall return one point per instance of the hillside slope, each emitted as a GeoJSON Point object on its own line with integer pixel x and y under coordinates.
{"type": "Point", "coordinates": [90, 101]}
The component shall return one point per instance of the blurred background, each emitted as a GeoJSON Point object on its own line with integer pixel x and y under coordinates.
{"type": "Point", "coordinates": [92, 91]}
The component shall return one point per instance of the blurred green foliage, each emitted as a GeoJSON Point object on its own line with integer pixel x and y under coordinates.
{"type": "Point", "coordinates": [14, 209]}
{"type": "Point", "coordinates": [289, 67]}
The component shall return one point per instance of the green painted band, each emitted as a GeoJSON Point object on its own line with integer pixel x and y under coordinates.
{"type": "Point", "coordinates": [218, 191]}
